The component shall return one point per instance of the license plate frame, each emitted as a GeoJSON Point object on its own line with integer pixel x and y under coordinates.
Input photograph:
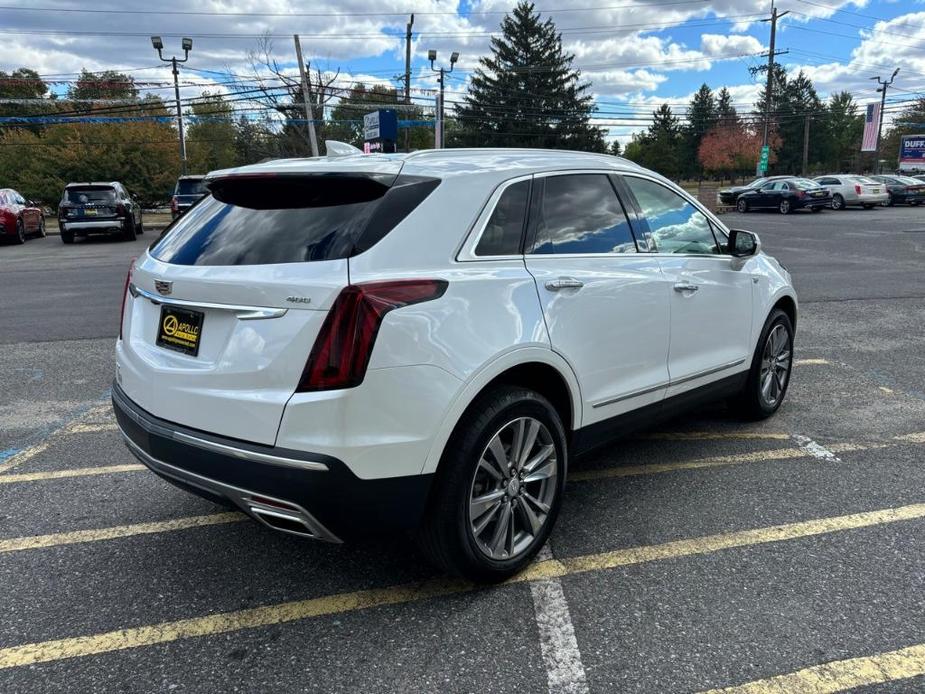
{"type": "Point", "coordinates": [180, 330]}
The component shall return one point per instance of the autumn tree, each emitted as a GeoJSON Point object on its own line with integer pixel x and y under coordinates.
{"type": "Point", "coordinates": [730, 150]}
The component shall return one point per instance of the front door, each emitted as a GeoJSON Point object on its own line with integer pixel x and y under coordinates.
{"type": "Point", "coordinates": [601, 298]}
{"type": "Point", "coordinates": [710, 292]}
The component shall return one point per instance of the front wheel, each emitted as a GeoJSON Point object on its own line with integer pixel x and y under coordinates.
{"type": "Point", "coordinates": [769, 375]}
{"type": "Point", "coordinates": [742, 205]}
{"type": "Point", "coordinates": [784, 207]}
{"type": "Point", "coordinates": [20, 237]}
{"type": "Point", "coordinates": [499, 487]}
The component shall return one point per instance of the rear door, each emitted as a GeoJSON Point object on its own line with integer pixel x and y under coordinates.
{"type": "Point", "coordinates": [225, 308]}
{"type": "Point", "coordinates": [602, 300]}
{"type": "Point", "coordinates": [710, 293]}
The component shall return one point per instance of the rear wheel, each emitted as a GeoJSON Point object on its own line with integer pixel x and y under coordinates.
{"type": "Point", "coordinates": [128, 230]}
{"type": "Point", "coordinates": [769, 375]}
{"type": "Point", "coordinates": [499, 487]}
{"type": "Point", "coordinates": [838, 202]}
{"type": "Point", "coordinates": [742, 205]}
{"type": "Point", "coordinates": [784, 206]}
{"type": "Point", "coordinates": [20, 237]}
{"type": "Point", "coordinates": [41, 233]}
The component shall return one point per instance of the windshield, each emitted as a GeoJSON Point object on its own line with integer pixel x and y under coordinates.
{"type": "Point", "coordinates": [90, 196]}
{"type": "Point", "coordinates": [191, 186]}
{"type": "Point", "coordinates": [757, 183]}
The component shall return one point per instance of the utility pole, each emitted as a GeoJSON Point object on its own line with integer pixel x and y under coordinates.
{"type": "Point", "coordinates": [439, 131]}
{"type": "Point", "coordinates": [306, 98]}
{"type": "Point", "coordinates": [187, 45]}
{"type": "Point", "coordinates": [775, 15]}
{"type": "Point", "coordinates": [884, 85]}
{"type": "Point", "coordinates": [806, 144]}
{"type": "Point", "coordinates": [408, 76]}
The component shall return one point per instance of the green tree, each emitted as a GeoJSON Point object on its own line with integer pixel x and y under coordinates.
{"type": "Point", "coordinates": [725, 111]}
{"type": "Point", "coordinates": [24, 84]}
{"type": "Point", "coordinates": [106, 85]}
{"type": "Point", "coordinates": [253, 141]}
{"type": "Point", "coordinates": [526, 93]}
{"type": "Point", "coordinates": [843, 129]}
{"type": "Point", "coordinates": [615, 148]}
{"type": "Point", "coordinates": [659, 148]}
{"type": "Point", "coordinates": [701, 117]}
{"type": "Point", "coordinates": [211, 135]}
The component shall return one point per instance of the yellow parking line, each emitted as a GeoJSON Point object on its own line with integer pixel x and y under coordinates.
{"type": "Point", "coordinates": [810, 362]}
{"type": "Point", "coordinates": [91, 428]}
{"type": "Point", "coordinates": [918, 437]}
{"type": "Point", "coordinates": [71, 472]}
{"type": "Point", "coordinates": [840, 675]}
{"type": "Point", "coordinates": [711, 435]}
{"type": "Point", "coordinates": [165, 632]}
{"type": "Point", "coordinates": [17, 544]}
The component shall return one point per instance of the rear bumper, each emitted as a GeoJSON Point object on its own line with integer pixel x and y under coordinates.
{"type": "Point", "coordinates": [97, 225]}
{"type": "Point", "coordinates": [308, 494]}
{"type": "Point", "coordinates": [810, 203]}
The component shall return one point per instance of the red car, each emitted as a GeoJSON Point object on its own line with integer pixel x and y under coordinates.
{"type": "Point", "coordinates": [19, 217]}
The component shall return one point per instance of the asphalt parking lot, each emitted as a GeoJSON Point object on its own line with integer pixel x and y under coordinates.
{"type": "Point", "coordinates": [785, 556]}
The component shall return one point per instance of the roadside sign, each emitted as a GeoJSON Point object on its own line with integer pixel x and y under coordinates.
{"type": "Point", "coordinates": [763, 161]}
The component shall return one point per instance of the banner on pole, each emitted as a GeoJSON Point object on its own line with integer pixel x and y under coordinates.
{"type": "Point", "coordinates": [871, 126]}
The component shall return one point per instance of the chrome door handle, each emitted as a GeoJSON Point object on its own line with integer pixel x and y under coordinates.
{"type": "Point", "coordinates": [686, 287]}
{"type": "Point", "coordinates": [564, 283]}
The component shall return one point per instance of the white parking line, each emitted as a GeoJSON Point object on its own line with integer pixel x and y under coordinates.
{"type": "Point", "coordinates": [815, 450]}
{"type": "Point", "coordinates": [565, 673]}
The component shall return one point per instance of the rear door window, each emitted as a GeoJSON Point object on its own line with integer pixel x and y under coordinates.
{"type": "Point", "coordinates": [290, 219]}
{"type": "Point", "coordinates": [581, 214]}
{"type": "Point", "coordinates": [505, 227]}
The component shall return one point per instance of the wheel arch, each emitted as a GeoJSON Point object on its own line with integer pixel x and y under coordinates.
{"type": "Point", "coordinates": [787, 304]}
{"type": "Point", "coordinates": [541, 370]}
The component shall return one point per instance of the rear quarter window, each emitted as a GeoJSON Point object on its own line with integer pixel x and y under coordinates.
{"type": "Point", "coordinates": [292, 219]}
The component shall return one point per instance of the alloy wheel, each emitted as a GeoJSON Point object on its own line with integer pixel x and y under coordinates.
{"type": "Point", "coordinates": [775, 365]}
{"type": "Point", "coordinates": [837, 202]}
{"type": "Point", "coordinates": [784, 206]}
{"type": "Point", "coordinates": [513, 489]}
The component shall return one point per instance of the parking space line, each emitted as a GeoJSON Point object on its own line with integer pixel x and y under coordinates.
{"type": "Point", "coordinates": [840, 675]}
{"type": "Point", "coordinates": [219, 623]}
{"type": "Point", "coordinates": [70, 472]}
{"type": "Point", "coordinates": [565, 673]}
{"type": "Point", "coordinates": [816, 450]}
{"type": "Point", "coordinates": [918, 437]}
{"type": "Point", "coordinates": [810, 362]}
{"type": "Point", "coordinates": [17, 544]}
{"type": "Point", "coordinates": [714, 435]}
{"type": "Point", "coordinates": [92, 428]}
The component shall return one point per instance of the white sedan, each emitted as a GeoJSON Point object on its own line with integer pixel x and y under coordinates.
{"type": "Point", "coordinates": [851, 189]}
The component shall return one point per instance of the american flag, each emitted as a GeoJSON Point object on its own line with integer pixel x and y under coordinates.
{"type": "Point", "coordinates": [871, 124]}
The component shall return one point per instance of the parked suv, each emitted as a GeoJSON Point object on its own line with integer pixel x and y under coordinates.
{"type": "Point", "coordinates": [847, 189]}
{"type": "Point", "coordinates": [385, 342]}
{"type": "Point", "coordinates": [19, 217]}
{"type": "Point", "coordinates": [188, 191]}
{"type": "Point", "coordinates": [98, 208]}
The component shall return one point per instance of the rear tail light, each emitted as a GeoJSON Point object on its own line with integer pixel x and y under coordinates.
{"type": "Point", "coordinates": [342, 349]}
{"type": "Point", "coordinates": [857, 188]}
{"type": "Point", "coordinates": [120, 208]}
{"type": "Point", "coordinates": [801, 194]}
{"type": "Point", "coordinates": [173, 204]}
{"type": "Point", "coordinates": [128, 281]}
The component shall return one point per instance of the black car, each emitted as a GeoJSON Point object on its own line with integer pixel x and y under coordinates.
{"type": "Point", "coordinates": [98, 208]}
{"type": "Point", "coordinates": [786, 195]}
{"type": "Point", "coordinates": [903, 190]}
{"type": "Point", "coordinates": [188, 192]}
{"type": "Point", "coordinates": [729, 196]}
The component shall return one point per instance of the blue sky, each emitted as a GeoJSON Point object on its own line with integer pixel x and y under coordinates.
{"type": "Point", "coordinates": [636, 53]}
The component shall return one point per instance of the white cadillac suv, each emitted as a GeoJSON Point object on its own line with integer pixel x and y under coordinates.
{"type": "Point", "coordinates": [353, 343]}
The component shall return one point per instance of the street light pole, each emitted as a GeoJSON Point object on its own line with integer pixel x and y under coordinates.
{"type": "Point", "coordinates": [884, 84]}
{"type": "Point", "coordinates": [440, 139]}
{"type": "Point", "coordinates": [187, 46]}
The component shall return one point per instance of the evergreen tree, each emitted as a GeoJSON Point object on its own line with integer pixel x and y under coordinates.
{"type": "Point", "coordinates": [843, 129]}
{"type": "Point", "coordinates": [660, 147]}
{"type": "Point", "coordinates": [615, 148]}
{"type": "Point", "coordinates": [526, 93]}
{"type": "Point", "coordinates": [725, 112]}
{"type": "Point", "coordinates": [701, 117]}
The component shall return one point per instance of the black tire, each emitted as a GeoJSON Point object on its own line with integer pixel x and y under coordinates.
{"type": "Point", "coordinates": [42, 233]}
{"type": "Point", "coordinates": [67, 236]}
{"type": "Point", "coordinates": [890, 202]}
{"type": "Point", "coordinates": [784, 206]}
{"type": "Point", "coordinates": [742, 205]}
{"type": "Point", "coordinates": [128, 230]}
{"type": "Point", "coordinates": [446, 535]}
{"type": "Point", "coordinates": [20, 237]}
{"type": "Point", "coordinates": [838, 202]}
{"type": "Point", "coordinates": [750, 404]}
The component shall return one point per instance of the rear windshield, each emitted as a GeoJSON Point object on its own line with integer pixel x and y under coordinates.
{"type": "Point", "coordinates": [191, 186]}
{"type": "Point", "coordinates": [909, 181]}
{"type": "Point", "coordinates": [260, 221]}
{"type": "Point", "coordinates": [89, 195]}
{"type": "Point", "coordinates": [864, 180]}
{"type": "Point", "coordinates": [804, 184]}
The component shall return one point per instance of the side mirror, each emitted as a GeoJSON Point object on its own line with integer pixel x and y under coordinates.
{"type": "Point", "coordinates": [743, 244]}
